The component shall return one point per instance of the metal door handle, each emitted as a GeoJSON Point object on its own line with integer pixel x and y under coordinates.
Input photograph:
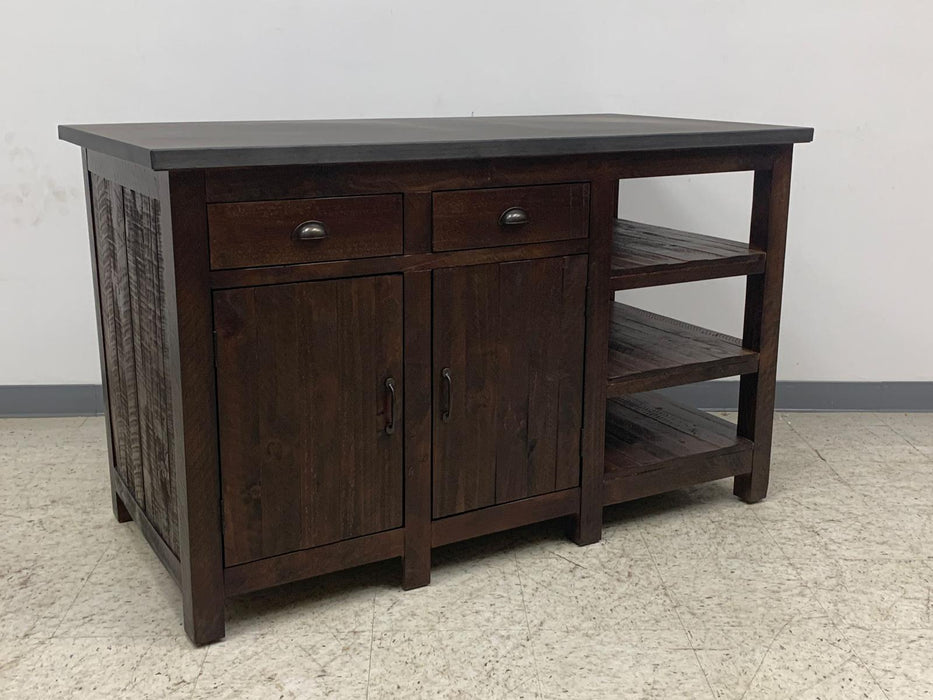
{"type": "Point", "coordinates": [390, 387]}
{"type": "Point", "coordinates": [448, 395]}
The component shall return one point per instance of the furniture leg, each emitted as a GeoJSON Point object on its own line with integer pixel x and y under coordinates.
{"type": "Point", "coordinates": [762, 319]}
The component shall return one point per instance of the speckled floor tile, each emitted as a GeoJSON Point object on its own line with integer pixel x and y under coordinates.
{"type": "Point", "coordinates": [17, 658]}
{"type": "Point", "coordinates": [313, 665]}
{"type": "Point", "coordinates": [483, 593]}
{"type": "Point", "coordinates": [129, 594]}
{"type": "Point", "coordinates": [474, 664]}
{"type": "Point", "coordinates": [643, 664]}
{"type": "Point", "coordinates": [109, 668]}
{"type": "Point", "coordinates": [737, 592]}
{"type": "Point", "coordinates": [805, 658]}
{"type": "Point", "coordinates": [821, 591]}
{"type": "Point", "coordinates": [900, 660]}
{"type": "Point", "coordinates": [875, 594]}
{"type": "Point", "coordinates": [626, 594]}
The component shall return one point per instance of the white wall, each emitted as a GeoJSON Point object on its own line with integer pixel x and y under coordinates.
{"type": "Point", "coordinates": [858, 283]}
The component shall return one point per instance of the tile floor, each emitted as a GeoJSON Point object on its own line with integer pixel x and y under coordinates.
{"type": "Point", "coordinates": [822, 591]}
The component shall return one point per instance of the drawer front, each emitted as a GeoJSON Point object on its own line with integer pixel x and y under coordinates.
{"type": "Point", "coordinates": [252, 234]}
{"type": "Point", "coordinates": [510, 216]}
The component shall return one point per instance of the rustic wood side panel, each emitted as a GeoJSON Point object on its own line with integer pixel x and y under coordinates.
{"type": "Point", "coordinates": [132, 302]}
{"type": "Point", "coordinates": [110, 238]}
{"type": "Point", "coordinates": [147, 294]}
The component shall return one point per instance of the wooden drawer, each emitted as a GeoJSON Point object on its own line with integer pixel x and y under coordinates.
{"type": "Point", "coordinates": [249, 234]}
{"type": "Point", "coordinates": [481, 218]}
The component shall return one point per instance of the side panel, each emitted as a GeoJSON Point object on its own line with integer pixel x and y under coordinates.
{"type": "Point", "coordinates": [131, 270]}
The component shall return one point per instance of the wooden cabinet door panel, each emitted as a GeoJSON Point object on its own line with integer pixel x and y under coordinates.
{"type": "Point", "coordinates": [511, 336]}
{"type": "Point", "coordinates": [303, 408]}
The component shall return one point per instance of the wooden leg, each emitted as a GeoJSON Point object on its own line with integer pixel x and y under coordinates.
{"type": "Point", "coordinates": [197, 466]}
{"type": "Point", "coordinates": [604, 206]}
{"type": "Point", "coordinates": [119, 507]}
{"type": "Point", "coordinates": [762, 320]}
{"type": "Point", "coordinates": [416, 562]}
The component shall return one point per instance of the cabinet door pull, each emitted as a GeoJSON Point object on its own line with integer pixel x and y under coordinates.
{"type": "Point", "coordinates": [310, 231]}
{"type": "Point", "coordinates": [513, 216]}
{"type": "Point", "coordinates": [390, 387]}
{"type": "Point", "coordinates": [448, 394]}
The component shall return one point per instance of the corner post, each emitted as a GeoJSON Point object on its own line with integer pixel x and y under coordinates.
{"type": "Point", "coordinates": [770, 203]}
{"type": "Point", "coordinates": [604, 206]}
{"type": "Point", "coordinates": [189, 322]}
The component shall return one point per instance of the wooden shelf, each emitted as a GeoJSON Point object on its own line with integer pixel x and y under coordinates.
{"type": "Point", "coordinates": [650, 351]}
{"type": "Point", "coordinates": [644, 255]}
{"type": "Point", "coordinates": [655, 445]}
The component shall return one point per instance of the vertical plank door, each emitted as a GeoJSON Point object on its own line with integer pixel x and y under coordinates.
{"type": "Point", "coordinates": [310, 432]}
{"type": "Point", "coordinates": [508, 381]}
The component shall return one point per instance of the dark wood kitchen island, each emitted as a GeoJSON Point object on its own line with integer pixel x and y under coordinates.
{"type": "Point", "coordinates": [328, 343]}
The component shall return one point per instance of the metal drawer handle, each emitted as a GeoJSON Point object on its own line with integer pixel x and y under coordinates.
{"type": "Point", "coordinates": [310, 231]}
{"type": "Point", "coordinates": [448, 394]}
{"type": "Point", "coordinates": [390, 386]}
{"type": "Point", "coordinates": [514, 216]}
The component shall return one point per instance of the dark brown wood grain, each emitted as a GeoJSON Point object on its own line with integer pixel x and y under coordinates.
{"type": "Point", "coordinates": [511, 336]}
{"type": "Point", "coordinates": [303, 410]}
{"type": "Point", "coordinates": [306, 563]}
{"type": "Point", "coordinates": [674, 475]}
{"type": "Point", "coordinates": [190, 348]}
{"type": "Point", "coordinates": [250, 234]}
{"type": "Point", "coordinates": [770, 203]}
{"type": "Point", "coordinates": [418, 262]}
{"type": "Point", "coordinates": [306, 338]}
{"type": "Point", "coordinates": [341, 179]}
{"type": "Point", "coordinates": [604, 205]}
{"type": "Point", "coordinates": [117, 322]}
{"type": "Point", "coordinates": [147, 293]}
{"type": "Point", "coordinates": [505, 517]}
{"type": "Point", "coordinates": [416, 562]}
{"type": "Point", "coordinates": [650, 351]}
{"type": "Point", "coordinates": [120, 511]}
{"type": "Point", "coordinates": [644, 255]}
{"type": "Point", "coordinates": [646, 431]}
{"type": "Point", "coordinates": [471, 218]}
{"type": "Point", "coordinates": [136, 512]}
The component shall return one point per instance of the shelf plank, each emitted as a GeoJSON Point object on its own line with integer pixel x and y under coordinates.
{"type": "Point", "coordinates": [655, 445]}
{"type": "Point", "coordinates": [644, 255]}
{"type": "Point", "coordinates": [649, 351]}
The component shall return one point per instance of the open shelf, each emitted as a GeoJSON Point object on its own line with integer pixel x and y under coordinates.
{"type": "Point", "coordinates": [655, 445]}
{"type": "Point", "coordinates": [650, 351]}
{"type": "Point", "coordinates": [644, 255]}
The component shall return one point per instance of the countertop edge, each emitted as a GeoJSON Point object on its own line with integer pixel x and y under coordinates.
{"type": "Point", "coordinates": [226, 157]}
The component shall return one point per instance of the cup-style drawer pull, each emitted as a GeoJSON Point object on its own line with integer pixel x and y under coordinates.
{"type": "Point", "coordinates": [514, 216]}
{"type": "Point", "coordinates": [310, 231]}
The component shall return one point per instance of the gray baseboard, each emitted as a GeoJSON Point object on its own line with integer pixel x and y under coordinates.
{"type": "Point", "coordinates": [51, 400]}
{"type": "Point", "coordinates": [87, 399]}
{"type": "Point", "coordinates": [815, 396]}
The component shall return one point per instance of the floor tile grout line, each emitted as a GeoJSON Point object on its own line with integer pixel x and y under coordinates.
{"type": "Point", "coordinates": [372, 645]}
{"type": "Point", "coordinates": [534, 653]}
{"type": "Point", "coordinates": [80, 589]}
{"type": "Point", "coordinates": [670, 598]}
{"type": "Point", "coordinates": [197, 678]}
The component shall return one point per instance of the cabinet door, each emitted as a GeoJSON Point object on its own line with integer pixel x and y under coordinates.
{"type": "Point", "coordinates": [310, 432]}
{"type": "Point", "coordinates": [508, 363]}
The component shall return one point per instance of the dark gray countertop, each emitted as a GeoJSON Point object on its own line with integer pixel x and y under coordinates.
{"type": "Point", "coordinates": [180, 145]}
